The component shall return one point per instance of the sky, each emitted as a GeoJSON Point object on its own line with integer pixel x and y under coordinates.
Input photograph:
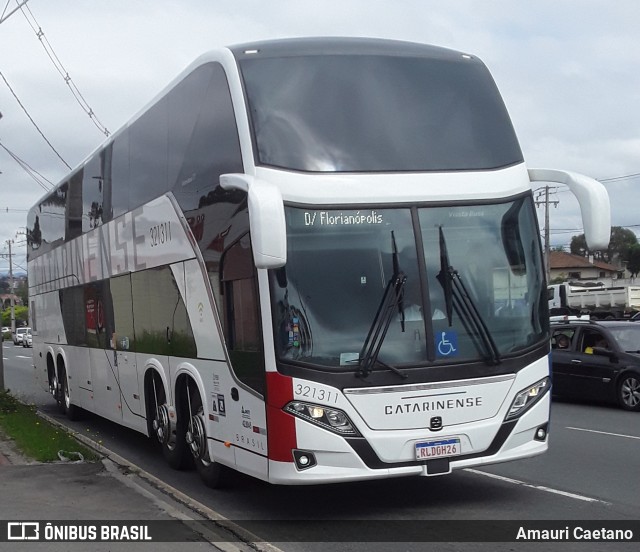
{"type": "Point", "coordinates": [568, 71]}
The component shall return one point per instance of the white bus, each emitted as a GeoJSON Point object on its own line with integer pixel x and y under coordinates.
{"type": "Point", "coordinates": [309, 260]}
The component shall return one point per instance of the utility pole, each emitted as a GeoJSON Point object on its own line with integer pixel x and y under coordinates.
{"type": "Point", "coordinates": [547, 239]}
{"type": "Point", "coordinates": [11, 291]}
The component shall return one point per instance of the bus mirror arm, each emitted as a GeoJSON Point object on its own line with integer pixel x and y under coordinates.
{"type": "Point", "coordinates": [266, 218]}
{"type": "Point", "coordinates": [593, 199]}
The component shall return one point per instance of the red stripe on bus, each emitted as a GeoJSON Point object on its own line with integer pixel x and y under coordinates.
{"type": "Point", "coordinates": [281, 427]}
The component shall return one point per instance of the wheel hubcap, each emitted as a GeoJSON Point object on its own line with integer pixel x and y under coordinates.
{"type": "Point", "coordinates": [197, 438]}
{"type": "Point", "coordinates": [631, 392]}
{"type": "Point", "coordinates": [161, 423]}
{"type": "Point", "coordinates": [67, 396]}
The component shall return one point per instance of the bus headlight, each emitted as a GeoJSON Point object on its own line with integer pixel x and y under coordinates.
{"type": "Point", "coordinates": [528, 397]}
{"type": "Point", "coordinates": [333, 419]}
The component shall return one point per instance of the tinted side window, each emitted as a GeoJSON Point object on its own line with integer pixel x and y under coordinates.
{"type": "Point", "coordinates": [72, 304]}
{"type": "Point", "coordinates": [73, 219]}
{"type": "Point", "coordinates": [148, 155]}
{"type": "Point", "coordinates": [34, 233]}
{"type": "Point", "coordinates": [93, 186]}
{"type": "Point", "coordinates": [204, 139]}
{"type": "Point", "coordinates": [87, 315]}
{"type": "Point", "coordinates": [52, 218]}
{"type": "Point", "coordinates": [161, 322]}
{"type": "Point", "coordinates": [241, 319]}
{"type": "Point", "coordinates": [118, 174]}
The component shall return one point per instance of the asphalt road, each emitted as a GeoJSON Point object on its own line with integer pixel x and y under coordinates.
{"type": "Point", "coordinates": [590, 473]}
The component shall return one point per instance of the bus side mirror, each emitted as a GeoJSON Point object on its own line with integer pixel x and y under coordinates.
{"type": "Point", "coordinates": [266, 218]}
{"type": "Point", "coordinates": [593, 199]}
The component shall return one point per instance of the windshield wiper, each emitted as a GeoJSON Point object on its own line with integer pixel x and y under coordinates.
{"type": "Point", "coordinates": [445, 278]}
{"type": "Point", "coordinates": [457, 296]}
{"type": "Point", "coordinates": [393, 297]}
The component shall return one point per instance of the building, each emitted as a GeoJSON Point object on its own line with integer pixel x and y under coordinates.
{"type": "Point", "coordinates": [566, 266]}
{"type": "Point", "coordinates": [6, 300]}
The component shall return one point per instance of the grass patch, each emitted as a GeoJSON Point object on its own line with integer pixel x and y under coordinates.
{"type": "Point", "coordinates": [34, 436]}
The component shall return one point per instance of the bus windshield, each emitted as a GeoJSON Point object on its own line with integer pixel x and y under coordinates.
{"type": "Point", "coordinates": [354, 113]}
{"type": "Point", "coordinates": [340, 263]}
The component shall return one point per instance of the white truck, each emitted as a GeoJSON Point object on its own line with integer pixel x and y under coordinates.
{"type": "Point", "coordinates": [598, 301]}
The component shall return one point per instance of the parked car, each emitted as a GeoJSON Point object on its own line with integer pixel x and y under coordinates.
{"type": "Point", "coordinates": [27, 339]}
{"type": "Point", "coordinates": [17, 337]}
{"type": "Point", "coordinates": [597, 360]}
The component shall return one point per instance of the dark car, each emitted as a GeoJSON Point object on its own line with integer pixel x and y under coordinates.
{"type": "Point", "coordinates": [597, 361]}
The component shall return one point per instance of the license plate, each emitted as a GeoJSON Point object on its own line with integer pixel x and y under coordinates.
{"type": "Point", "coordinates": [442, 448]}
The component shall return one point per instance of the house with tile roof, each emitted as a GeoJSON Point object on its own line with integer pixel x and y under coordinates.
{"type": "Point", "coordinates": [567, 266]}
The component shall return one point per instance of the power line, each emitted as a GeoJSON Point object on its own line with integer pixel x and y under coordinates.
{"type": "Point", "coordinates": [60, 68]}
{"type": "Point", "coordinates": [4, 17]}
{"type": "Point", "coordinates": [29, 170]}
{"type": "Point", "coordinates": [32, 121]}
{"type": "Point", "coordinates": [623, 177]}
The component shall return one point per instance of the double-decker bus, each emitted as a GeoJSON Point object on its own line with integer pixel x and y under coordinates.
{"type": "Point", "coordinates": [308, 260]}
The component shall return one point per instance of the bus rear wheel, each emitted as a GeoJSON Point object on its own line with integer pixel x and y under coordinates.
{"type": "Point", "coordinates": [212, 473]}
{"type": "Point", "coordinates": [72, 411]}
{"type": "Point", "coordinates": [169, 435]}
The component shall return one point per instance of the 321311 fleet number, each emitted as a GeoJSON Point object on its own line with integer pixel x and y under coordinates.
{"type": "Point", "coordinates": [160, 234]}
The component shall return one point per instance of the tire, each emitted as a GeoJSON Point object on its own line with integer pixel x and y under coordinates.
{"type": "Point", "coordinates": [57, 392]}
{"type": "Point", "coordinates": [72, 411]}
{"type": "Point", "coordinates": [170, 437]}
{"type": "Point", "coordinates": [174, 448]}
{"type": "Point", "coordinates": [629, 391]}
{"type": "Point", "coordinates": [213, 474]}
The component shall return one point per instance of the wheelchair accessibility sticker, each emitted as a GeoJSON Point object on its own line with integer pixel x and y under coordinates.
{"type": "Point", "coordinates": [447, 344]}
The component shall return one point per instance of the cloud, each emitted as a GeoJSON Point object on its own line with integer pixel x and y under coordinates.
{"type": "Point", "coordinates": [569, 72]}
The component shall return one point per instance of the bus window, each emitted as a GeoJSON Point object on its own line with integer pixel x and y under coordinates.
{"type": "Point", "coordinates": [160, 316]}
{"type": "Point", "coordinates": [242, 314]}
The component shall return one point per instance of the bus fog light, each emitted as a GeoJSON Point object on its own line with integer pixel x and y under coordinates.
{"type": "Point", "coordinates": [527, 398]}
{"type": "Point", "coordinates": [304, 459]}
{"type": "Point", "coordinates": [541, 433]}
{"type": "Point", "coordinates": [333, 419]}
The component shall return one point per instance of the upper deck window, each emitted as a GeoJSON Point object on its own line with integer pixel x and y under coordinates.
{"type": "Point", "coordinates": [369, 113]}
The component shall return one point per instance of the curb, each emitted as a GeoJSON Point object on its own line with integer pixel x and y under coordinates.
{"type": "Point", "coordinates": [243, 536]}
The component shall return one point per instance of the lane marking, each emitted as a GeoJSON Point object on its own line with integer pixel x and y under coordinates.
{"type": "Point", "coordinates": [604, 433]}
{"type": "Point", "coordinates": [539, 487]}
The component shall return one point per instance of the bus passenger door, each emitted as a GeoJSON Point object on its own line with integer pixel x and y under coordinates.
{"type": "Point", "coordinates": [243, 336]}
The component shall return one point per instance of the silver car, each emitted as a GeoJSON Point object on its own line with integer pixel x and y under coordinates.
{"type": "Point", "coordinates": [27, 339]}
{"type": "Point", "coordinates": [20, 332]}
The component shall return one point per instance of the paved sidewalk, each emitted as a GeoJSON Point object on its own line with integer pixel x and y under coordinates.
{"type": "Point", "coordinates": [98, 492]}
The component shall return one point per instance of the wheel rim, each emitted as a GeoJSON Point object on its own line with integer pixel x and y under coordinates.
{"type": "Point", "coordinates": [54, 387]}
{"type": "Point", "coordinates": [197, 437]}
{"type": "Point", "coordinates": [67, 395]}
{"type": "Point", "coordinates": [161, 424]}
{"type": "Point", "coordinates": [630, 392]}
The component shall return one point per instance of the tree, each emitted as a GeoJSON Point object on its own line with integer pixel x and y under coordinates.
{"type": "Point", "coordinates": [21, 314]}
{"type": "Point", "coordinates": [633, 261]}
{"type": "Point", "coordinates": [622, 239]}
